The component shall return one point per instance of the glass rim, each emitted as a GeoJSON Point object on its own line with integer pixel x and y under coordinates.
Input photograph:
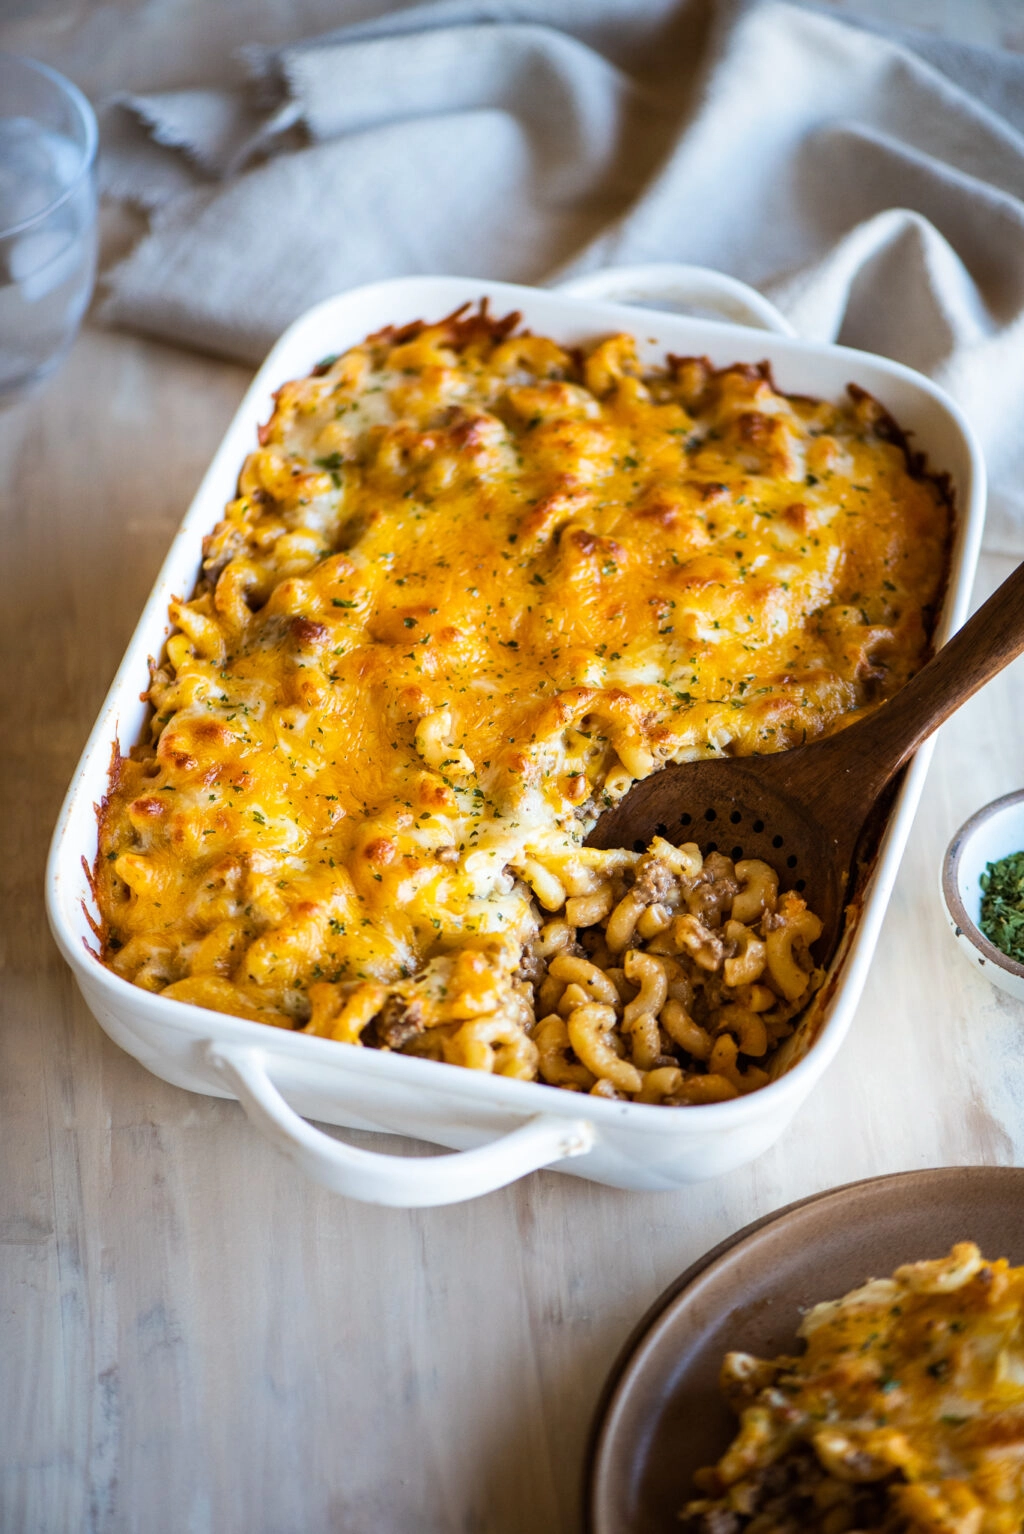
{"type": "Point", "coordinates": [87, 117]}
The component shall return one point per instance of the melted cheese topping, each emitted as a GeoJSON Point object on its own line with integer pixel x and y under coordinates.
{"type": "Point", "coordinates": [916, 1382]}
{"type": "Point", "coordinates": [473, 585]}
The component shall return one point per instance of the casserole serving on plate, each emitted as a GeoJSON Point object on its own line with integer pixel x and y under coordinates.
{"type": "Point", "coordinates": [343, 1086]}
{"type": "Point", "coordinates": [663, 1416]}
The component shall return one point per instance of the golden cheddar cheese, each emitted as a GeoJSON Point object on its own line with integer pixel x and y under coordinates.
{"type": "Point", "coordinates": [472, 586]}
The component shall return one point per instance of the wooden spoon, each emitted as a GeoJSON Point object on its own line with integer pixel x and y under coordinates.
{"type": "Point", "coordinates": [804, 811]}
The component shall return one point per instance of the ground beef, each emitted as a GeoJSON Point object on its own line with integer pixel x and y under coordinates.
{"type": "Point", "coordinates": [398, 1022]}
{"type": "Point", "coordinates": [714, 891]}
{"type": "Point", "coordinates": [654, 882]}
{"type": "Point", "coordinates": [531, 968]}
{"type": "Point", "coordinates": [784, 1501]}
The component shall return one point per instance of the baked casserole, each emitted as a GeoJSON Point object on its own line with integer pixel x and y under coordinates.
{"type": "Point", "coordinates": [905, 1413]}
{"type": "Point", "coordinates": [472, 587]}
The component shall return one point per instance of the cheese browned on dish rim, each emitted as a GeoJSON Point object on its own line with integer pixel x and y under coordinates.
{"type": "Point", "coordinates": [472, 587]}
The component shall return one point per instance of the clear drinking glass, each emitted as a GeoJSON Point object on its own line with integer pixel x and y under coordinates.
{"type": "Point", "coordinates": [47, 219]}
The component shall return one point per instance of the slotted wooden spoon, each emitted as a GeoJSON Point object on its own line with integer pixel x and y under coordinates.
{"type": "Point", "coordinates": [804, 811]}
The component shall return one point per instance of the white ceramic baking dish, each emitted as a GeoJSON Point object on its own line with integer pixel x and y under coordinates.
{"type": "Point", "coordinates": [501, 1128]}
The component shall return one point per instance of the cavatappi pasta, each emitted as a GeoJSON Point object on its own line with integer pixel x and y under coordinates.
{"type": "Point", "coordinates": [472, 587]}
{"type": "Point", "coordinates": [905, 1414]}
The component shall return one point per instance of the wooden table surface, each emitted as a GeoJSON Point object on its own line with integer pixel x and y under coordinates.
{"type": "Point", "coordinates": [192, 1338]}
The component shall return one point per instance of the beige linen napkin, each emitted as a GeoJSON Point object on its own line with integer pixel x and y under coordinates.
{"type": "Point", "coordinates": [871, 184]}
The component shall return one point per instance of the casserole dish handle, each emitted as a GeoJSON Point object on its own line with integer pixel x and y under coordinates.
{"type": "Point", "coordinates": [681, 289]}
{"type": "Point", "coordinates": [402, 1182]}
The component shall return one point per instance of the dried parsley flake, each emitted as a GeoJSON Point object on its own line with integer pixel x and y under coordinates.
{"type": "Point", "coordinates": [1002, 905]}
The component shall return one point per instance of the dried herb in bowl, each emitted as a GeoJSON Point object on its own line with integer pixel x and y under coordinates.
{"type": "Point", "coordinates": [1002, 905]}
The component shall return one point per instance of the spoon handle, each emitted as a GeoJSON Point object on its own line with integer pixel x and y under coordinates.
{"type": "Point", "coordinates": [988, 642]}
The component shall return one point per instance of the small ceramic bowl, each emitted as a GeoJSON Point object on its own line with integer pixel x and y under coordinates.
{"type": "Point", "coordinates": [994, 832]}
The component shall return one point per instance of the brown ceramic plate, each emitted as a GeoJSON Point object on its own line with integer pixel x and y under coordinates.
{"type": "Point", "coordinates": [661, 1416]}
